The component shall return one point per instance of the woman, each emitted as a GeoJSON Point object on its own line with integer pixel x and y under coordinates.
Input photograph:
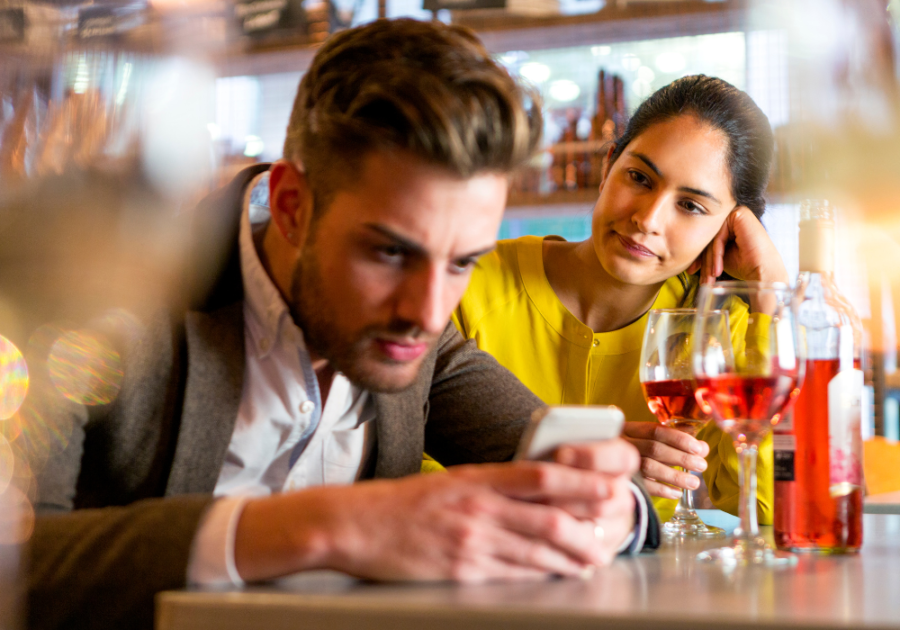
{"type": "Point", "coordinates": [681, 194]}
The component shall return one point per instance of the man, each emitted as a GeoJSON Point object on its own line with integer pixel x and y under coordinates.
{"type": "Point", "coordinates": [320, 353]}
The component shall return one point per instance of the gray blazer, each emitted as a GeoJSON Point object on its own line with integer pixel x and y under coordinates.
{"type": "Point", "coordinates": [120, 504]}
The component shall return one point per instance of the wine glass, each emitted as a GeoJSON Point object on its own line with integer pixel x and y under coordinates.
{"type": "Point", "coordinates": [749, 394]}
{"type": "Point", "coordinates": [668, 384]}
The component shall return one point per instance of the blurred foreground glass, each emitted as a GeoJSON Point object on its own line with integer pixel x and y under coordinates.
{"type": "Point", "coordinates": [104, 146]}
{"type": "Point", "coordinates": [668, 384]}
{"type": "Point", "coordinates": [749, 394]}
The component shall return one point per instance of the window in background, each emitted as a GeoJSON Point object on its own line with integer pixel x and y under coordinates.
{"type": "Point", "coordinates": [237, 115]}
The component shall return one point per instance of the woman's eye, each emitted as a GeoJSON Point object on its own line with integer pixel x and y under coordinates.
{"type": "Point", "coordinates": [639, 178]}
{"type": "Point", "coordinates": [693, 208]}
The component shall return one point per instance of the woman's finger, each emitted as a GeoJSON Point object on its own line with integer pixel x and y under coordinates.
{"type": "Point", "coordinates": [657, 489]}
{"type": "Point", "coordinates": [667, 456]}
{"type": "Point", "coordinates": [652, 431]}
{"type": "Point", "coordinates": [719, 244]}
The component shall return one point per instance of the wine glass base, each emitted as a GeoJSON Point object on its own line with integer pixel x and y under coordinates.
{"type": "Point", "coordinates": [748, 553]}
{"type": "Point", "coordinates": [692, 530]}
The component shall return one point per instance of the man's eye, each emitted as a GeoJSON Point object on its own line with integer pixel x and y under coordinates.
{"type": "Point", "coordinates": [462, 265]}
{"type": "Point", "coordinates": [391, 253]}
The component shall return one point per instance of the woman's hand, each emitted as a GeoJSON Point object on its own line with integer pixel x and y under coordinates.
{"type": "Point", "coordinates": [661, 448]}
{"type": "Point", "coordinates": [743, 249]}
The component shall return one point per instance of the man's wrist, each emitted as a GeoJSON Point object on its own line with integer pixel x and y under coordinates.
{"type": "Point", "coordinates": [284, 534]}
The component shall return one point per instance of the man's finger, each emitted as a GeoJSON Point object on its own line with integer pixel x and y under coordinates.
{"type": "Point", "coordinates": [547, 526]}
{"type": "Point", "coordinates": [538, 481]}
{"type": "Point", "coordinates": [622, 495]}
{"type": "Point", "coordinates": [620, 503]}
{"type": "Point", "coordinates": [612, 457]}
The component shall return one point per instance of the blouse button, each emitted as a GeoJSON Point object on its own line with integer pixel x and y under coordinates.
{"type": "Point", "coordinates": [596, 343]}
{"type": "Point", "coordinates": [307, 406]}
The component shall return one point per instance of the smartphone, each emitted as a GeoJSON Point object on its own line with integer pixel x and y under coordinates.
{"type": "Point", "coordinates": [554, 426]}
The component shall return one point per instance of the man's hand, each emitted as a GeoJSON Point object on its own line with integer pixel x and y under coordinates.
{"type": "Point", "coordinates": [661, 448]}
{"type": "Point", "coordinates": [522, 520]}
{"type": "Point", "coordinates": [617, 461]}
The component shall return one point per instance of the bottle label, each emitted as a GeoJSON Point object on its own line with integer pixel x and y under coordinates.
{"type": "Point", "coordinates": [785, 446]}
{"type": "Point", "coordinates": [844, 424]}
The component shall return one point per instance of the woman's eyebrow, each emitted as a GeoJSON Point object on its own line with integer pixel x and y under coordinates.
{"type": "Point", "coordinates": [653, 167]}
{"type": "Point", "coordinates": [643, 158]}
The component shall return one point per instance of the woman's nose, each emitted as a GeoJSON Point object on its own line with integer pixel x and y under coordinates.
{"type": "Point", "coordinates": [648, 219]}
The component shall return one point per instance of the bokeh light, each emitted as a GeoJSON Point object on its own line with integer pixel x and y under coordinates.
{"type": "Point", "coordinates": [16, 517]}
{"type": "Point", "coordinates": [23, 477]}
{"type": "Point", "coordinates": [46, 429]}
{"type": "Point", "coordinates": [85, 368]}
{"type": "Point", "coordinates": [7, 464]}
{"type": "Point", "coordinates": [43, 338]}
{"type": "Point", "coordinates": [11, 428]}
{"type": "Point", "coordinates": [13, 378]}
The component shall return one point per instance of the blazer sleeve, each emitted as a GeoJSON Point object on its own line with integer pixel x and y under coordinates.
{"type": "Point", "coordinates": [101, 568]}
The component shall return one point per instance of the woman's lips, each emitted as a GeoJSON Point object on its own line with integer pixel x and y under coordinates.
{"type": "Point", "coordinates": [635, 248]}
{"type": "Point", "coordinates": [402, 351]}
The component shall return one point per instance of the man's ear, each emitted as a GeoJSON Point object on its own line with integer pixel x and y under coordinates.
{"type": "Point", "coordinates": [290, 201]}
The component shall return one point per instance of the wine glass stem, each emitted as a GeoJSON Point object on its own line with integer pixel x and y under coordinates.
{"type": "Point", "coordinates": [685, 507]}
{"type": "Point", "coordinates": [749, 528]}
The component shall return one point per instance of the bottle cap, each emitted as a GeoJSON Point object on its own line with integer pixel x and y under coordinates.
{"type": "Point", "coordinates": [816, 236]}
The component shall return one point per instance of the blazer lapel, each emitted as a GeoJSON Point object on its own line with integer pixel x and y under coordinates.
{"type": "Point", "coordinates": [215, 374]}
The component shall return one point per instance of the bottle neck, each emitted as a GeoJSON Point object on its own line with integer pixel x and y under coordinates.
{"type": "Point", "coordinates": [817, 246]}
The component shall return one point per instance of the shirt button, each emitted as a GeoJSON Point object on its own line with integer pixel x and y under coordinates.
{"type": "Point", "coordinates": [307, 406]}
{"type": "Point", "coordinates": [264, 345]}
{"type": "Point", "coordinates": [596, 343]}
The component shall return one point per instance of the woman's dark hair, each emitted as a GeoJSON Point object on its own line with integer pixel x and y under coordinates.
{"type": "Point", "coordinates": [726, 108]}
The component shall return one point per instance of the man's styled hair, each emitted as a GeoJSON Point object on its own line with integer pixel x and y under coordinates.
{"type": "Point", "coordinates": [425, 88]}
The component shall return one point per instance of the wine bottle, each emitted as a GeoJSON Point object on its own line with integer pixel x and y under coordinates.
{"type": "Point", "coordinates": [818, 450]}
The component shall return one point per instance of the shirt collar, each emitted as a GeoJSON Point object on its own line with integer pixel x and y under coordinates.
{"type": "Point", "coordinates": [261, 296]}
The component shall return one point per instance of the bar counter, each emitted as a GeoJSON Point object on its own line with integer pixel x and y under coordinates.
{"type": "Point", "coordinates": [667, 589]}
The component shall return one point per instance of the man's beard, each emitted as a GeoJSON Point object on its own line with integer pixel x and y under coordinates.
{"type": "Point", "coordinates": [346, 352]}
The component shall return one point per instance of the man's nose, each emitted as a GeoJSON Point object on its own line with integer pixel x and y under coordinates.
{"type": "Point", "coordinates": [423, 300]}
{"type": "Point", "coordinates": [648, 218]}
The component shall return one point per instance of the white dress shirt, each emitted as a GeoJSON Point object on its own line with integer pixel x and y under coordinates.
{"type": "Point", "coordinates": [284, 437]}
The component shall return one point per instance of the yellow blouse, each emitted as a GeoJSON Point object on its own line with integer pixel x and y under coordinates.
{"type": "Point", "coordinates": [512, 312]}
